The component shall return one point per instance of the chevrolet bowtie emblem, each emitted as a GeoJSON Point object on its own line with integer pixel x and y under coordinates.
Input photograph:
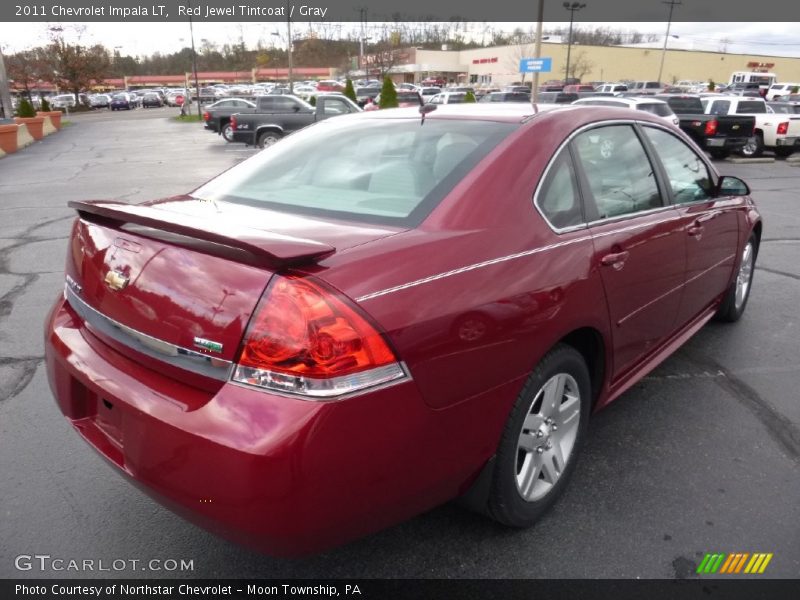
{"type": "Point", "coordinates": [116, 280]}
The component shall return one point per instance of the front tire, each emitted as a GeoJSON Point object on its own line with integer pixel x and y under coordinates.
{"type": "Point", "coordinates": [735, 301]}
{"type": "Point", "coordinates": [541, 440]}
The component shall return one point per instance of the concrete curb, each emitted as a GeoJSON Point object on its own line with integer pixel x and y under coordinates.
{"type": "Point", "coordinates": [48, 127]}
{"type": "Point", "coordinates": [750, 161]}
{"type": "Point", "coordinates": [794, 159]}
{"type": "Point", "coordinates": [24, 138]}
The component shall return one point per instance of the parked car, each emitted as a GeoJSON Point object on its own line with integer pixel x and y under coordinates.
{"type": "Point", "coordinates": [448, 98]}
{"type": "Point", "coordinates": [556, 97]}
{"type": "Point", "coordinates": [363, 94]}
{"type": "Point", "coordinates": [577, 87]}
{"type": "Point", "coordinates": [429, 92]}
{"type": "Point", "coordinates": [123, 101]}
{"type": "Point", "coordinates": [287, 355]}
{"type": "Point", "coordinates": [507, 97]}
{"type": "Point", "coordinates": [152, 100]}
{"type": "Point", "coordinates": [779, 90]}
{"type": "Point", "coordinates": [612, 87]}
{"type": "Point", "coordinates": [405, 98]}
{"type": "Point", "coordinates": [646, 87]}
{"type": "Point", "coordinates": [62, 101]}
{"type": "Point", "coordinates": [651, 105]}
{"type": "Point", "coordinates": [100, 100]}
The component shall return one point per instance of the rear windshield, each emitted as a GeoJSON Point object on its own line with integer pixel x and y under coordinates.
{"type": "Point", "coordinates": [684, 106]}
{"type": "Point", "coordinates": [385, 171]}
{"type": "Point", "coordinates": [747, 107]}
{"type": "Point", "coordinates": [662, 110]}
{"type": "Point", "coordinates": [407, 97]}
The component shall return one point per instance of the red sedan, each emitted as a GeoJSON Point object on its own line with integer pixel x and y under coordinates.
{"type": "Point", "coordinates": [387, 311]}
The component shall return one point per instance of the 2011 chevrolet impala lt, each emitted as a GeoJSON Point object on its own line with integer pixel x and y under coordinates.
{"type": "Point", "coordinates": [387, 311]}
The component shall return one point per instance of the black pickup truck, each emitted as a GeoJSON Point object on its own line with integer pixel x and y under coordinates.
{"type": "Point", "coordinates": [267, 124]}
{"type": "Point", "coordinates": [719, 134]}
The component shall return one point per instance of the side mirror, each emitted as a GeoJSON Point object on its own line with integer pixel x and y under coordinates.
{"type": "Point", "coordinates": [729, 185]}
{"type": "Point", "coordinates": [296, 108]}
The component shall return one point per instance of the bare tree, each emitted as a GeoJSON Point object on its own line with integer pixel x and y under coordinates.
{"type": "Point", "coordinates": [579, 66]}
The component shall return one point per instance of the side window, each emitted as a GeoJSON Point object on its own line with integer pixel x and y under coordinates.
{"type": "Point", "coordinates": [266, 103]}
{"type": "Point", "coordinates": [334, 106]}
{"type": "Point", "coordinates": [558, 197]}
{"type": "Point", "coordinates": [621, 179]}
{"type": "Point", "coordinates": [688, 175]}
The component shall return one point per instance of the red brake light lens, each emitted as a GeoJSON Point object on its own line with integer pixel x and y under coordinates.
{"type": "Point", "coordinates": [307, 339]}
{"type": "Point", "coordinates": [233, 121]}
{"type": "Point", "coordinates": [711, 127]}
{"type": "Point", "coordinates": [206, 116]}
{"type": "Point", "coordinates": [783, 128]}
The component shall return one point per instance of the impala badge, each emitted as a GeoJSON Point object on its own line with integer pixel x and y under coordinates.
{"type": "Point", "coordinates": [116, 280]}
{"type": "Point", "coordinates": [209, 345]}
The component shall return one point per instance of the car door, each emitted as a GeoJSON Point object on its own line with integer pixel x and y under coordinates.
{"type": "Point", "coordinates": [709, 224]}
{"type": "Point", "coordinates": [638, 249]}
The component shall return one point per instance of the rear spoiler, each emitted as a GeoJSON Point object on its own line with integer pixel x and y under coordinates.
{"type": "Point", "coordinates": [273, 249]}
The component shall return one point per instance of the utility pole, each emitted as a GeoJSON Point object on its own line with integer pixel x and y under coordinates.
{"type": "Point", "coordinates": [289, 33]}
{"type": "Point", "coordinates": [194, 63]}
{"type": "Point", "coordinates": [537, 51]}
{"type": "Point", "coordinates": [362, 15]}
{"type": "Point", "coordinates": [5, 93]}
{"type": "Point", "coordinates": [672, 4]}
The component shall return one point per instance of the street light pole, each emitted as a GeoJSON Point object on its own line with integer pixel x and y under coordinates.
{"type": "Point", "coordinates": [572, 8]}
{"type": "Point", "coordinates": [289, 33]}
{"type": "Point", "coordinates": [194, 61]}
{"type": "Point", "coordinates": [672, 4]}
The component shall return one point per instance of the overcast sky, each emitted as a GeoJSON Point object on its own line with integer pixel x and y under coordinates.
{"type": "Point", "coordinates": [772, 39]}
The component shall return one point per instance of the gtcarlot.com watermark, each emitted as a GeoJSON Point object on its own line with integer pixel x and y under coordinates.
{"type": "Point", "coordinates": [48, 563]}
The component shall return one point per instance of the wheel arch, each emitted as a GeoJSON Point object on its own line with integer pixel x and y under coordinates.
{"type": "Point", "coordinates": [589, 342]}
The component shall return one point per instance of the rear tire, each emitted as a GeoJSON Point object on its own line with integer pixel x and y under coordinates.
{"type": "Point", "coordinates": [541, 440]}
{"type": "Point", "coordinates": [735, 301]}
{"type": "Point", "coordinates": [268, 138]}
{"type": "Point", "coordinates": [754, 147]}
{"type": "Point", "coordinates": [227, 132]}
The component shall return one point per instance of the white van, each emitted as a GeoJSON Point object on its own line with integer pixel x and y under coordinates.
{"type": "Point", "coordinates": [777, 90]}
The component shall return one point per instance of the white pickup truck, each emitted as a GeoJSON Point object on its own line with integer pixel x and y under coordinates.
{"type": "Point", "coordinates": [778, 132]}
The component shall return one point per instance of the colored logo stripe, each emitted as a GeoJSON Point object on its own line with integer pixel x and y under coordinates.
{"type": "Point", "coordinates": [734, 563]}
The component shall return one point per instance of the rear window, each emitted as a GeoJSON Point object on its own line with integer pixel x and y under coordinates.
{"type": "Point", "coordinates": [747, 107]}
{"type": "Point", "coordinates": [683, 106]}
{"type": "Point", "coordinates": [407, 97]}
{"type": "Point", "coordinates": [662, 110]}
{"type": "Point", "coordinates": [385, 171]}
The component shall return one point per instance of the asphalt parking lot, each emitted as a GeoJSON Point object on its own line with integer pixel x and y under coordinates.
{"type": "Point", "coordinates": [701, 456]}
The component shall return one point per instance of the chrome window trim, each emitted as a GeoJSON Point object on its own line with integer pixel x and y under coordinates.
{"type": "Point", "coordinates": [177, 356]}
{"type": "Point", "coordinates": [542, 179]}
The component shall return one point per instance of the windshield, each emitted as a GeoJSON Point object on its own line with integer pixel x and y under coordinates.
{"type": "Point", "coordinates": [387, 171]}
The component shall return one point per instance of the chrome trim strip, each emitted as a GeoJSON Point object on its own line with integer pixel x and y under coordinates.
{"type": "Point", "coordinates": [177, 356]}
{"type": "Point", "coordinates": [472, 267]}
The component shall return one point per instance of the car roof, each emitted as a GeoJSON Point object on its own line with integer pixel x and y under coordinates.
{"type": "Point", "coordinates": [625, 99]}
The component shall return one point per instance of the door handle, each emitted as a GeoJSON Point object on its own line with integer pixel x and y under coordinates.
{"type": "Point", "coordinates": [615, 259]}
{"type": "Point", "coordinates": [696, 230]}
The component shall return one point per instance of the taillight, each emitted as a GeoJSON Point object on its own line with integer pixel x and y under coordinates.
{"type": "Point", "coordinates": [233, 121]}
{"type": "Point", "coordinates": [309, 340]}
{"type": "Point", "coordinates": [711, 127]}
{"type": "Point", "coordinates": [206, 116]}
{"type": "Point", "coordinates": [783, 128]}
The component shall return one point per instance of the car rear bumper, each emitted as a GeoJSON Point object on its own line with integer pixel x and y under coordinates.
{"type": "Point", "coordinates": [788, 141]}
{"type": "Point", "coordinates": [283, 475]}
{"type": "Point", "coordinates": [726, 142]}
